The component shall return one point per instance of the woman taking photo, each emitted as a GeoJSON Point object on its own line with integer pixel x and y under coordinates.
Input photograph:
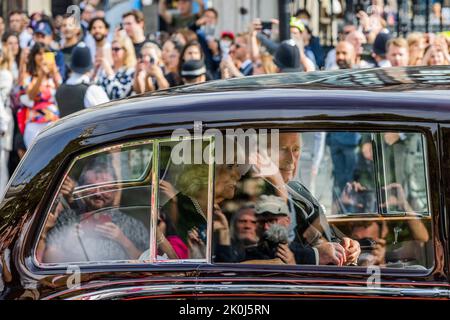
{"type": "Point", "coordinates": [149, 74]}
{"type": "Point", "coordinates": [11, 41]}
{"type": "Point", "coordinates": [117, 80]}
{"type": "Point", "coordinates": [41, 83]}
{"type": "Point", "coordinates": [171, 53]}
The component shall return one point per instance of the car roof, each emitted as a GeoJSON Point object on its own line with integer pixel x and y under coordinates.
{"type": "Point", "coordinates": [412, 93]}
{"type": "Point", "coordinates": [372, 79]}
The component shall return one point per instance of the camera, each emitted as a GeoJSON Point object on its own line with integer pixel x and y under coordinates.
{"type": "Point", "coordinates": [367, 244]}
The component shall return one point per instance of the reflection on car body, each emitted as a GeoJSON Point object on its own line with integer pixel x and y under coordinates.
{"type": "Point", "coordinates": [354, 180]}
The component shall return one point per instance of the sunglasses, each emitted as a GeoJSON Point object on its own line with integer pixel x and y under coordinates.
{"type": "Point", "coordinates": [116, 49]}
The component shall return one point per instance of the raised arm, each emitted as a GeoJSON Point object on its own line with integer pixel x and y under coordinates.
{"type": "Point", "coordinates": [167, 17]}
{"type": "Point", "coordinates": [201, 6]}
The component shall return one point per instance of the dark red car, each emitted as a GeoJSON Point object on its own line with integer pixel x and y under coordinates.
{"type": "Point", "coordinates": [149, 197]}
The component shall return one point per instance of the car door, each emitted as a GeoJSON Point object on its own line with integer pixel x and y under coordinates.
{"type": "Point", "coordinates": [403, 162]}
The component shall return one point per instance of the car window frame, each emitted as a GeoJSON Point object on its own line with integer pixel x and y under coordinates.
{"type": "Point", "coordinates": [425, 128]}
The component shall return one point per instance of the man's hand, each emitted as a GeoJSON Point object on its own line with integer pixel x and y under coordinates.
{"type": "Point", "coordinates": [201, 21]}
{"type": "Point", "coordinates": [67, 189]}
{"type": "Point", "coordinates": [352, 250]}
{"type": "Point", "coordinates": [111, 231]}
{"type": "Point", "coordinates": [168, 189]}
{"type": "Point", "coordinates": [220, 225]}
{"type": "Point", "coordinates": [331, 253]}
{"type": "Point", "coordinates": [52, 218]}
{"type": "Point", "coordinates": [220, 222]}
{"type": "Point", "coordinates": [285, 254]}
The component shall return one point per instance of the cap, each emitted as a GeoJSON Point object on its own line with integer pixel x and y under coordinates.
{"type": "Point", "coordinates": [271, 205]}
{"type": "Point", "coordinates": [379, 44]}
{"type": "Point", "coordinates": [193, 69]}
{"type": "Point", "coordinates": [287, 57]}
{"type": "Point", "coordinates": [297, 23]}
{"type": "Point", "coordinates": [44, 28]}
{"type": "Point", "coordinates": [228, 34]}
{"type": "Point", "coordinates": [81, 61]}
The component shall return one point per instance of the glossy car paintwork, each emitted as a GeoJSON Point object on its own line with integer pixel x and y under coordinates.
{"type": "Point", "coordinates": [402, 100]}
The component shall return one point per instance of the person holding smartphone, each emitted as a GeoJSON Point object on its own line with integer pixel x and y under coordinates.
{"type": "Point", "coordinates": [149, 75]}
{"type": "Point", "coordinates": [92, 228]}
{"type": "Point", "coordinates": [41, 83]}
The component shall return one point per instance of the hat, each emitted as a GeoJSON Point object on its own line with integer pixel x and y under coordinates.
{"type": "Point", "coordinates": [297, 23]}
{"type": "Point", "coordinates": [193, 69]}
{"type": "Point", "coordinates": [379, 45]}
{"type": "Point", "coordinates": [271, 205]}
{"type": "Point", "coordinates": [287, 57]}
{"type": "Point", "coordinates": [81, 60]}
{"type": "Point", "coordinates": [228, 34]}
{"type": "Point", "coordinates": [44, 28]}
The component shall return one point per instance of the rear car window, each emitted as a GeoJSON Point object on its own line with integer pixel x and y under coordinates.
{"type": "Point", "coordinates": [366, 187]}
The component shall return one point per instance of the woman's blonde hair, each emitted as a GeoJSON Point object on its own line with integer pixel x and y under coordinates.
{"type": "Point", "coordinates": [5, 58]}
{"type": "Point", "coordinates": [130, 54]}
{"type": "Point", "coordinates": [414, 38]}
{"type": "Point", "coordinates": [193, 179]}
{"type": "Point", "coordinates": [153, 46]}
{"type": "Point", "coordinates": [267, 63]}
{"type": "Point", "coordinates": [427, 56]}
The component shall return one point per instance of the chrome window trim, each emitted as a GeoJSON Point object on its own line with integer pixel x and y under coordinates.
{"type": "Point", "coordinates": [259, 288]}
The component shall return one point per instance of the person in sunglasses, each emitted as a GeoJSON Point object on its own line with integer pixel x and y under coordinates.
{"type": "Point", "coordinates": [117, 79]}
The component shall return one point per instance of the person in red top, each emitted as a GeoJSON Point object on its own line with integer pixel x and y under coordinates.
{"type": "Point", "coordinates": [39, 98]}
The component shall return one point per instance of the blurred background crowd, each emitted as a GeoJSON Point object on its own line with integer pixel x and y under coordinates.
{"type": "Point", "coordinates": [58, 57]}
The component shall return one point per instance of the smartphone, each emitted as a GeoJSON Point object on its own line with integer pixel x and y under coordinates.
{"type": "Point", "coordinates": [49, 58]}
{"type": "Point", "coordinates": [367, 244]}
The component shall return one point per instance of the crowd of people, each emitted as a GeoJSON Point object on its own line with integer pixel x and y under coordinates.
{"type": "Point", "coordinates": [52, 67]}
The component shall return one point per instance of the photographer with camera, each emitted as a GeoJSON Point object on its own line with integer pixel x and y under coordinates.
{"type": "Point", "coordinates": [274, 247]}
{"type": "Point", "coordinates": [272, 215]}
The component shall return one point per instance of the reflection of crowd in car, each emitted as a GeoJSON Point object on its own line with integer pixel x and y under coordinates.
{"type": "Point", "coordinates": [378, 239]}
{"type": "Point", "coordinates": [97, 230]}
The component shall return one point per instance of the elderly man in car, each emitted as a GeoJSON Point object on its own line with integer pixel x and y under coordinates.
{"type": "Point", "coordinates": [308, 223]}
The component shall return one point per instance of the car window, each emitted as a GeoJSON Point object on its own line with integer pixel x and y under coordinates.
{"type": "Point", "coordinates": [328, 198]}
{"type": "Point", "coordinates": [184, 197]}
{"type": "Point", "coordinates": [107, 209]}
{"type": "Point", "coordinates": [101, 211]}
